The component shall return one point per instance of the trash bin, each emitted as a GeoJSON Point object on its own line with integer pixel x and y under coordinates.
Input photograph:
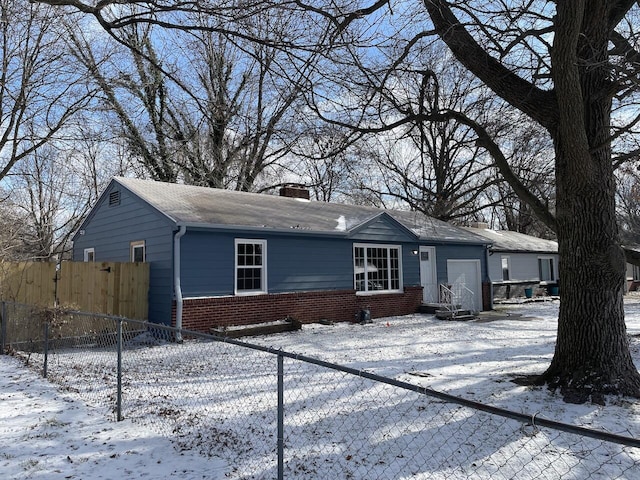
{"type": "Point", "coordinates": [528, 292]}
{"type": "Point", "coordinates": [365, 316]}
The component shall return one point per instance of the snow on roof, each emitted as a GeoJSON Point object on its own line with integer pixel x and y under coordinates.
{"type": "Point", "coordinates": [209, 207]}
{"type": "Point", "coordinates": [508, 241]}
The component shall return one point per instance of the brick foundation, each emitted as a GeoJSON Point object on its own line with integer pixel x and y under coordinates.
{"type": "Point", "coordinates": [200, 314]}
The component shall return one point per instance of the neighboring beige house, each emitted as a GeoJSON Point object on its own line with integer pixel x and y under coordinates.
{"type": "Point", "coordinates": [632, 253]}
{"type": "Point", "coordinates": [517, 262]}
{"type": "Point", "coordinates": [519, 265]}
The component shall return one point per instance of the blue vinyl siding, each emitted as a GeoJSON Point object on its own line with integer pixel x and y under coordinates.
{"type": "Point", "coordinates": [111, 229]}
{"type": "Point", "coordinates": [383, 230]}
{"type": "Point", "coordinates": [459, 252]}
{"type": "Point", "coordinates": [310, 264]}
{"type": "Point", "coordinates": [297, 263]}
{"type": "Point", "coordinates": [207, 263]}
{"type": "Point", "coordinates": [410, 265]}
{"type": "Point", "coordinates": [444, 252]}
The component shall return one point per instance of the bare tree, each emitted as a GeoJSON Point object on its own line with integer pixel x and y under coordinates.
{"type": "Point", "coordinates": [11, 224]}
{"type": "Point", "coordinates": [629, 204]}
{"type": "Point", "coordinates": [531, 159]}
{"type": "Point", "coordinates": [216, 111]}
{"type": "Point", "coordinates": [40, 91]}
{"type": "Point", "coordinates": [128, 92]}
{"type": "Point", "coordinates": [434, 167]}
{"type": "Point", "coordinates": [324, 159]}
{"type": "Point", "coordinates": [565, 84]}
{"type": "Point", "coordinates": [52, 190]}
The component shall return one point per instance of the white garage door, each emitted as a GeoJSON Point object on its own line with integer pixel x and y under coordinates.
{"type": "Point", "coordinates": [466, 273]}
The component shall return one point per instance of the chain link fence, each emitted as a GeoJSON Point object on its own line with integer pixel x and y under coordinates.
{"type": "Point", "coordinates": [273, 414]}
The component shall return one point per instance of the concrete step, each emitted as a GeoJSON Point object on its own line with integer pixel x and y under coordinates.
{"type": "Point", "coordinates": [459, 315]}
{"type": "Point", "coordinates": [434, 307]}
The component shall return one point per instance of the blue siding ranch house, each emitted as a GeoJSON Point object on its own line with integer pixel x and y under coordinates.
{"type": "Point", "coordinates": [220, 258]}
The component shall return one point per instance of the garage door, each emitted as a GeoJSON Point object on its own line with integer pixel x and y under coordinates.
{"type": "Point", "coordinates": [466, 273]}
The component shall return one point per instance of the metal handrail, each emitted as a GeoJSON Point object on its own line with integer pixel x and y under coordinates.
{"type": "Point", "coordinates": [457, 298]}
{"type": "Point", "coordinates": [447, 299]}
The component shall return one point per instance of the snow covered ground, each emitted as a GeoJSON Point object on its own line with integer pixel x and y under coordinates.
{"type": "Point", "coordinates": [47, 434]}
{"type": "Point", "coordinates": [217, 402]}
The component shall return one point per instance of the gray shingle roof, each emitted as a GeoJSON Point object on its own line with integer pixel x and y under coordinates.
{"type": "Point", "coordinates": [507, 241]}
{"type": "Point", "coordinates": [210, 207]}
{"type": "Point", "coordinates": [632, 252]}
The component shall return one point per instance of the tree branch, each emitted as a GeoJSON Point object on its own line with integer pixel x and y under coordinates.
{"type": "Point", "coordinates": [536, 103]}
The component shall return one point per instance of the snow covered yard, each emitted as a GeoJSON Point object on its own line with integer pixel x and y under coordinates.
{"type": "Point", "coordinates": [48, 434]}
{"type": "Point", "coordinates": [218, 403]}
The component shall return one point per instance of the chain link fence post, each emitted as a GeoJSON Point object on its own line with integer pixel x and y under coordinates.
{"type": "Point", "coordinates": [3, 329]}
{"type": "Point", "coordinates": [46, 349]}
{"type": "Point", "coordinates": [280, 417]}
{"type": "Point", "coordinates": [119, 372]}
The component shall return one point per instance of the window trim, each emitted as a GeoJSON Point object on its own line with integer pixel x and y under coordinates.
{"type": "Point", "coordinates": [87, 252]}
{"type": "Point", "coordinates": [133, 246]}
{"type": "Point", "coordinates": [263, 278]}
{"type": "Point", "coordinates": [389, 247]}
{"type": "Point", "coordinates": [552, 263]}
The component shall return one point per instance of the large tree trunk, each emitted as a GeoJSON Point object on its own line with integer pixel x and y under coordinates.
{"type": "Point", "coordinates": [592, 353]}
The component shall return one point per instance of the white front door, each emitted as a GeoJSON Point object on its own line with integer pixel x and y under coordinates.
{"type": "Point", "coordinates": [464, 278]}
{"type": "Point", "coordinates": [428, 276]}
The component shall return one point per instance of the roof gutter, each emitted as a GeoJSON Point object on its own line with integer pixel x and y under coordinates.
{"type": "Point", "coordinates": [176, 280]}
{"type": "Point", "coordinates": [487, 280]}
{"type": "Point", "coordinates": [337, 233]}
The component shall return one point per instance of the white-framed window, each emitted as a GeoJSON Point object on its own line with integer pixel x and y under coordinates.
{"type": "Point", "coordinates": [89, 255]}
{"type": "Point", "coordinates": [377, 268]}
{"type": "Point", "coordinates": [636, 273]}
{"type": "Point", "coordinates": [546, 269]}
{"type": "Point", "coordinates": [506, 267]}
{"type": "Point", "coordinates": [250, 266]}
{"type": "Point", "coordinates": [138, 251]}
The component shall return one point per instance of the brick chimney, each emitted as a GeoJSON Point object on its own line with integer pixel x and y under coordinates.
{"type": "Point", "coordinates": [294, 190]}
{"type": "Point", "coordinates": [484, 225]}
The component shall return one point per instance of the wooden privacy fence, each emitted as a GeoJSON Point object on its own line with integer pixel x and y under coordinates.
{"type": "Point", "coordinates": [96, 287]}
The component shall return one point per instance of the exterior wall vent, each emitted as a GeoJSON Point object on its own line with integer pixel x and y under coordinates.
{"type": "Point", "coordinates": [114, 198]}
{"type": "Point", "coordinates": [295, 191]}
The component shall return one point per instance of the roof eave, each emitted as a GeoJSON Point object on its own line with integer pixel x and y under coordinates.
{"type": "Point", "coordinates": [254, 228]}
{"type": "Point", "coordinates": [511, 250]}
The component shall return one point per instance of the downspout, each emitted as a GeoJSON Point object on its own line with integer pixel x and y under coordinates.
{"type": "Point", "coordinates": [176, 280]}
{"type": "Point", "coordinates": [487, 254]}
